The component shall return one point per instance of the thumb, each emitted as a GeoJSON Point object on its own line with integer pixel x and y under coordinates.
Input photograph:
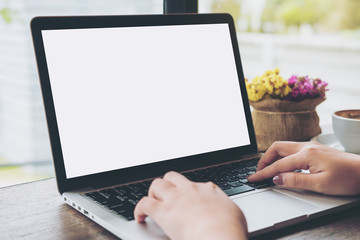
{"type": "Point", "coordinates": [305, 181]}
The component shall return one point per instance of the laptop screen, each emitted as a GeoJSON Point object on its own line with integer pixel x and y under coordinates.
{"type": "Point", "coordinates": [128, 96]}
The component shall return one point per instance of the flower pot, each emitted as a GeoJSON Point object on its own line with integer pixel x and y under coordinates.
{"type": "Point", "coordinates": [283, 120]}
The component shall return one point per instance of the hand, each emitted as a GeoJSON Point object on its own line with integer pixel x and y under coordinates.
{"type": "Point", "coordinates": [331, 171]}
{"type": "Point", "coordinates": [189, 210]}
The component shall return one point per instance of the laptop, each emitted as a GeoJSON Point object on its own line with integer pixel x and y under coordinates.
{"type": "Point", "coordinates": [129, 98]}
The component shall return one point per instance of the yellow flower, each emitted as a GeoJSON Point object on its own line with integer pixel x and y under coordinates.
{"type": "Point", "coordinates": [269, 84]}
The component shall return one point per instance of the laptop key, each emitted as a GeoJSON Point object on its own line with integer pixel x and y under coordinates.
{"type": "Point", "coordinates": [251, 168]}
{"type": "Point", "coordinates": [133, 201]}
{"type": "Point", "coordinates": [231, 178]}
{"type": "Point", "coordinates": [134, 188]}
{"type": "Point", "coordinates": [112, 206]}
{"type": "Point", "coordinates": [235, 184]}
{"type": "Point", "coordinates": [97, 197]}
{"type": "Point", "coordinates": [220, 181]}
{"type": "Point", "coordinates": [237, 190]}
{"type": "Point", "coordinates": [120, 191]}
{"type": "Point", "coordinates": [261, 184]}
{"type": "Point", "coordinates": [241, 170]}
{"type": "Point", "coordinates": [252, 162]}
{"type": "Point", "coordinates": [122, 198]}
{"type": "Point", "coordinates": [224, 186]}
{"type": "Point", "coordinates": [244, 181]}
{"type": "Point", "coordinates": [147, 184]}
{"type": "Point", "coordinates": [137, 195]}
{"type": "Point", "coordinates": [127, 214]}
{"type": "Point", "coordinates": [242, 176]}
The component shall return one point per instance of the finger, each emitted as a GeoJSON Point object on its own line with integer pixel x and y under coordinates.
{"type": "Point", "coordinates": [278, 150]}
{"type": "Point", "coordinates": [160, 189]}
{"type": "Point", "coordinates": [176, 179]}
{"type": "Point", "coordinates": [287, 164]}
{"type": "Point", "coordinates": [307, 181]}
{"type": "Point", "coordinates": [147, 206]}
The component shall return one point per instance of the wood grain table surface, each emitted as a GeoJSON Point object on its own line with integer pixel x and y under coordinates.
{"type": "Point", "coordinates": [35, 210]}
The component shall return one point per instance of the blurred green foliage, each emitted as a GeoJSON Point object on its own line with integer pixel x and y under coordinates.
{"type": "Point", "coordinates": [6, 14]}
{"type": "Point", "coordinates": [350, 13]}
{"type": "Point", "coordinates": [295, 12]}
{"type": "Point", "coordinates": [326, 14]}
{"type": "Point", "coordinates": [323, 15]}
{"type": "Point", "coordinates": [232, 7]}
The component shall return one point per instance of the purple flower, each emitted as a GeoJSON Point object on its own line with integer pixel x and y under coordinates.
{"type": "Point", "coordinates": [306, 88]}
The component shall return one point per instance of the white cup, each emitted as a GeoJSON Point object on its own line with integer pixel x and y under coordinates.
{"type": "Point", "coordinates": [346, 125]}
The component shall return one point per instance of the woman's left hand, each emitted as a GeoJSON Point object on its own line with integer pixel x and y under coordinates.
{"type": "Point", "coordinates": [189, 210]}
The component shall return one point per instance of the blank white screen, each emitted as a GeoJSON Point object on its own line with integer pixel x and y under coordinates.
{"type": "Point", "coordinates": [131, 96]}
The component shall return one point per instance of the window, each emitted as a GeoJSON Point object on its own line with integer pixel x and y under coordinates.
{"type": "Point", "coordinates": [24, 145]}
{"type": "Point", "coordinates": [316, 38]}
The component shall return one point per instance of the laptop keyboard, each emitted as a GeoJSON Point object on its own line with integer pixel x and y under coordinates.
{"type": "Point", "coordinates": [231, 178]}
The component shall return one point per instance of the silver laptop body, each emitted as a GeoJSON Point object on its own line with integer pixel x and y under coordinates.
{"type": "Point", "coordinates": [129, 98]}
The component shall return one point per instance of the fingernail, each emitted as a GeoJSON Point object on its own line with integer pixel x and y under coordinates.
{"type": "Point", "coordinates": [278, 180]}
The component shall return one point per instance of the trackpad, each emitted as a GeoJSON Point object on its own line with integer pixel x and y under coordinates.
{"type": "Point", "coordinates": [264, 209]}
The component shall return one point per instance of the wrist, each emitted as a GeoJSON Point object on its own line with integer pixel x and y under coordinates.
{"type": "Point", "coordinates": [353, 173]}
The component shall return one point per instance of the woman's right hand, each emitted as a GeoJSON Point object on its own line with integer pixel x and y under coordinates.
{"type": "Point", "coordinates": [331, 171]}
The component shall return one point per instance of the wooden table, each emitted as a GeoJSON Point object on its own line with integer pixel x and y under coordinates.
{"type": "Point", "coordinates": [36, 211]}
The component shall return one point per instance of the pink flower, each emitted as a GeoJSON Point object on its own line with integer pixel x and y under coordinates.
{"type": "Point", "coordinates": [306, 88]}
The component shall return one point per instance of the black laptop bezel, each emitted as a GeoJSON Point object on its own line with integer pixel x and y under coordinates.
{"type": "Point", "coordinates": [144, 171]}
